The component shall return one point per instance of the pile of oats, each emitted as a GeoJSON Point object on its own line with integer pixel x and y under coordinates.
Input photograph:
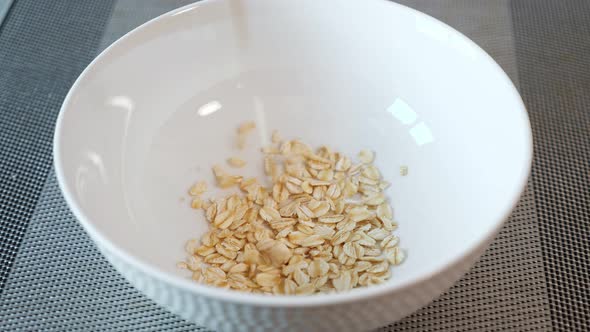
{"type": "Point", "coordinates": [325, 224]}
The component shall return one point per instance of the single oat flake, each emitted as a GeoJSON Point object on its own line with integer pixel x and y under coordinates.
{"type": "Point", "coordinates": [243, 130]}
{"type": "Point", "coordinates": [323, 225]}
{"type": "Point", "coordinates": [403, 170]}
{"type": "Point", "coordinates": [236, 162]}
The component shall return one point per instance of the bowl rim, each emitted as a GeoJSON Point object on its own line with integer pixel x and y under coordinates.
{"type": "Point", "coordinates": [353, 295]}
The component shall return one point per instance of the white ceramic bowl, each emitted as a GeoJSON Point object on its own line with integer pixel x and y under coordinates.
{"type": "Point", "coordinates": [159, 107]}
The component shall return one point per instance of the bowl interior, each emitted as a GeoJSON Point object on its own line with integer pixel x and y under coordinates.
{"type": "Point", "coordinates": [154, 112]}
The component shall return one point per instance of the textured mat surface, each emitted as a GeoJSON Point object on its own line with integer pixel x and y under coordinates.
{"type": "Point", "coordinates": [43, 48]}
{"type": "Point", "coordinates": [534, 277]}
{"type": "Point", "coordinates": [554, 67]}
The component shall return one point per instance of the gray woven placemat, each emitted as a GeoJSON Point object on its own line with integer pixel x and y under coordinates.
{"type": "Point", "coordinates": [54, 278]}
{"type": "Point", "coordinates": [43, 47]}
{"type": "Point", "coordinates": [553, 57]}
